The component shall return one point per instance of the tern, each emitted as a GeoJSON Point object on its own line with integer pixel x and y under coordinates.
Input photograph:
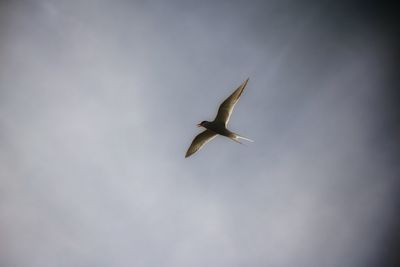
{"type": "Point", "coordinates": [219, 125]}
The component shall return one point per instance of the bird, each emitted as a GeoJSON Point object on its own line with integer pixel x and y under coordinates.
{"type": "Point", "coordinates": [219, 125]}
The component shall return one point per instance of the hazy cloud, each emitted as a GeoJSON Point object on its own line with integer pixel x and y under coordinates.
{"type": "Point", "coordinates": [99, 101]}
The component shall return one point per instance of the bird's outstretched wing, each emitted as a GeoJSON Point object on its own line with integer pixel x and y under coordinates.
{"type": "Point", "coordinates": [226, 108]}
{"type": "Point", "coordinates": [199, 141]}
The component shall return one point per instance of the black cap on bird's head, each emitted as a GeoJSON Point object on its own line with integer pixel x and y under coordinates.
{"type": "Point", "coordinates": [202, 124]}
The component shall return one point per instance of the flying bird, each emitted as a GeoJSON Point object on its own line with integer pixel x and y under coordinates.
{"type": "Point", "coordinates": [219, 125]}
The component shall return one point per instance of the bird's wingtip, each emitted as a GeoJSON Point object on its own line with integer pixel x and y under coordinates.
{"type": "Point", "coordinates": [245, 82]}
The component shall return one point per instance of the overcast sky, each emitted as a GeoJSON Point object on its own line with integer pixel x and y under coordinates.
{"type": "Point", "coordinates": [99, 101]}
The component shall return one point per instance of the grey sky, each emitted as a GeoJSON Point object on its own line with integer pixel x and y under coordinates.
{"type": "Point", "coordinates": [99, 101]}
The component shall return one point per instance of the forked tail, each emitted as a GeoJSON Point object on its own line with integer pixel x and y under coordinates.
{"type": "Point", "coordinates": [245, 138]}
{"type": "Point", "coordinates": [235, 137]}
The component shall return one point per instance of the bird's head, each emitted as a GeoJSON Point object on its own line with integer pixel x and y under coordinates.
{"type": "Point", "coordinates": [202, 124]}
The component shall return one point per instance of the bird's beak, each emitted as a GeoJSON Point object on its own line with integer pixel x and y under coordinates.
{"type": "Point", "coordinates": [198, 125]}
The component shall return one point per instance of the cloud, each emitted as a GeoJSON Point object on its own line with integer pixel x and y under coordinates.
{"type": "Point", "coordinates": [100, 101]}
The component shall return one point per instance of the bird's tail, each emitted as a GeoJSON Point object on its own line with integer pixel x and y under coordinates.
{"type": "Point", "coordinates": [235, 137]}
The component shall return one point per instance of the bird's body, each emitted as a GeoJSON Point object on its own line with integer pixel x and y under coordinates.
{"type": "Point", "coordinates": [216, 127]}
{"type": "Point", "coordinates": [219, 125]}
